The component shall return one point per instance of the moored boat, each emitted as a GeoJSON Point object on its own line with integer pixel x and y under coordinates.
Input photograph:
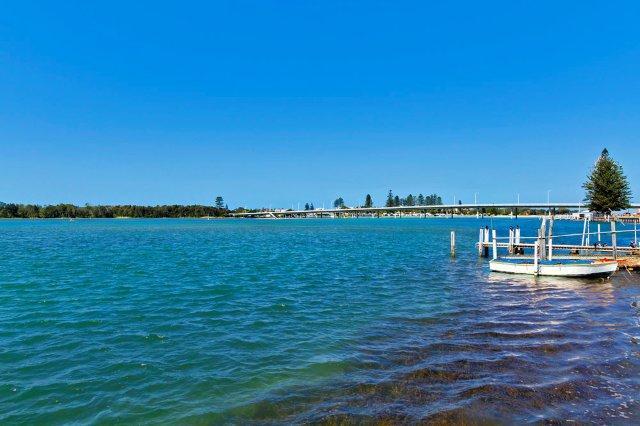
{"type": "Point", "coordinates": [555, 267]}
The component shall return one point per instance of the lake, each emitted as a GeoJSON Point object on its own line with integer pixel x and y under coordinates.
{"type": "Point", "coordinates": [279, 321]}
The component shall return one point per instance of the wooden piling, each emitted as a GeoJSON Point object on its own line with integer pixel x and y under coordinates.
{"type": "Point", "coordinates": [542, 236]}
{"type": "Point", "coordinates": [614, 239]}
{"type": "Point", "coordinates": [495, 244]}
{"type": "Point", "coordinates": [511, 237]}
{"type": "Point", "coordinates": [550, 253]}
{"type": "Point", "coordinates": [480, 242]}
{"type": "Point", "coordinates": [453, 243]}
{"type": "Point", "coordinates": [588, 236]}
{"type": "Point", "coordinates": [486, 240]}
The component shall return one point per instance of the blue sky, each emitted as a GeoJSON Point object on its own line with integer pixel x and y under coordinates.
{"type": "Point", "coordinates": [275, 103]}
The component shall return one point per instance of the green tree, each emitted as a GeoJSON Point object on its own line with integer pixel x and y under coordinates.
{"type": "Point", "coordinates": [606, 187]}
{"type": "Point", "coordinates": [390, 200]}
{"type": "Point", "coordinates": [396, 201]}
{"type": "Point", "coordinates": [421, 200]}
{"type": "Point", "coordinates": [219, 203]}
{"type": "Point", "coordinates": [368, 202]}
{"type": "Point", "coordinates": [338, 203]}
{"type": "Point", "coordinates": [410, 201]}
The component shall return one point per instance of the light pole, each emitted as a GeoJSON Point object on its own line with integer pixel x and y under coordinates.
{"type": "Point", "coordinates": [548, 196]}
{"type": "Point", "coordinates": [475, 198]}
{"type": "Point", "coordinates": [518, 199]}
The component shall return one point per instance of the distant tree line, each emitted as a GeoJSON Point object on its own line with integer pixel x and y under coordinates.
{"type": "Point", "coordinates": [393, 201]}
{"type": "Point", "coordinates": [33, 211]}
{"type": "Point", "coordinates": [410, 200]}
{"type": "Point", "coordinates": [493, 211]}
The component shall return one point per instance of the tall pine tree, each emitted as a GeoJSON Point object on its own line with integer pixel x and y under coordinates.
{"type": "Point", "coordinates": [390, 202]}
{"type": "Point", "coordinates": [410, 200]}
{"type": "Point", "coordinates": [606, 186]}
{"type": "Point", "coordinates": [219, 203]}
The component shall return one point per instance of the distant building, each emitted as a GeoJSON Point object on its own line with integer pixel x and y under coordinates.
{"type": "Point", "coordinates": [582, 215]}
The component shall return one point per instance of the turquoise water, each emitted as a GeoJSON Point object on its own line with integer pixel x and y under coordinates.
{"type": "Point", "coordinates": [195, 321]}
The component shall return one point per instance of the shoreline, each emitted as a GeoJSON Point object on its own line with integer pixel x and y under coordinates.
{"type": "Point", "coordinates": [73, 219]}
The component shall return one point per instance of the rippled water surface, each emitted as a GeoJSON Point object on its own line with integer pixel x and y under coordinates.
{"type": "Point", "coordinates": [194, 321]}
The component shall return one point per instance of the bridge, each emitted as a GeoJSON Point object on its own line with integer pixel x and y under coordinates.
{"type": "Point", "coordinates": [355, 211]}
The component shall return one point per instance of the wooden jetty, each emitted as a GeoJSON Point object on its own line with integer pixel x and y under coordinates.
{"type": "Point", "coordinates": [545, 244]}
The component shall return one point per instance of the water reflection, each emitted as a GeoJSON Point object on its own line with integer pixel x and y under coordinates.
{"type": "Point", "coordinates": [595, 290]}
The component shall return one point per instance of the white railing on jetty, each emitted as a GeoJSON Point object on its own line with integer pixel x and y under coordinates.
{"type": "Point", "coordinates": [544, 243]}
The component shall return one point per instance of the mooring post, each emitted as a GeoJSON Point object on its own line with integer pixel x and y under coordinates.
{"type": "Point", "coordinates": [495, 244]}
{"type": "Point", "coordinates": [614, 239]}
{"type": "Point", "coordinates": [599, 233]}
{"type": "Point", "coordinates": [584, 230]}
{"type": "Point", "coordinates": [453, 243]}
{"type": "Point", "coordinates": [635, 233]}
{"type": "Point", "coordinates": [517, 239]}
{"type": "Point", "coordinates": [550, 254]}
{"type": "Point", "coordinates": [486, 240]}
{"type": "Point", "coordinates": [535, 257]}
{"type": "Point", "coordinates": [588, 238]}
{"type": "Point", "coordinates": [480, 241]}
{"type": "Point", "coordinates": [511, 238]}
{"type": "Point", "coordinates": [543, 238]}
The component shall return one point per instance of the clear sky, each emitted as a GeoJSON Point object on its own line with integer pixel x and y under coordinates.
{"type": "Point", "coordinates": [274, 103]}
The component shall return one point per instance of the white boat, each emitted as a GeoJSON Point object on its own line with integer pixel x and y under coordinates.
{"type": "Point", "coordinates": [555, 267]}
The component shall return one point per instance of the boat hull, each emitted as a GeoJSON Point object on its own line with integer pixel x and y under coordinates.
{"type": "Point", "coordinates": [559, 269]}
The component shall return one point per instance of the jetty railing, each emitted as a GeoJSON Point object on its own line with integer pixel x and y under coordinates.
{"type": "Point", "coordinates": [544, 244]}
